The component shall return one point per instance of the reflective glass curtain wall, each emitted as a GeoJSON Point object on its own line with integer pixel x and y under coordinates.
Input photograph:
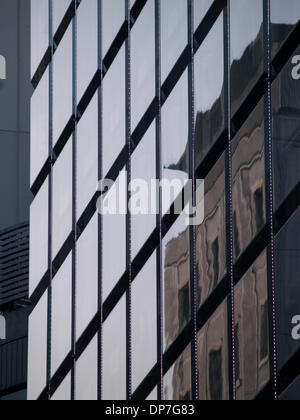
{"type": "Point", "coordinates": [144, 306]}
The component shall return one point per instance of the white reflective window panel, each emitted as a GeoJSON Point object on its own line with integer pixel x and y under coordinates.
{"type": "Point", "coordinates": [87, 276]}
{"type": "Point", "coordinates": [143, 62]}
{"type": "Point", "coordinates": [60, 8]}
{"type": "Point", "coordinates": [143, 198]}
{"type": "Point", "coordinates": [37, 349]}
{"type": "Point", "coordinates": [113, 16]}
{"type": "Point", "coordinates": [201, 7]}
{"type": "Point", "coordinates": [38, 259]}
{"type": "Point", "coordinates": [62, 198]}
{"type": "Point", "coordinates": [87, 156]}
{"type": "Point", "coordinates": [114, 354]}
{"type": "Point", "coordinates": [87, 44]}
{"type": "Point", "coordinates": [39, 123]}
{"type": "Point", "coordinates": [175, 155]}
{"type": "Point", "coordinates": [63, 393]}
{"type": "Point", "coordinates": [144, 322]}
{"type": "Point", "coordinates": [62, 85]}
{"type": "Point", "coordinates": [61, 324]}
{"type": "Point", "coordinates": [86, 374]}
{"type": "Point", "coordinates": [114, 113]}
{"type": "Point", "coordinates": [174, 33]}
{"type": "Point", "coordinates": [39, 27]}
{"type": "Point", "coordinates": [114, 239]}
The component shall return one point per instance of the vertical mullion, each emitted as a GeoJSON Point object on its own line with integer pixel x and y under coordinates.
{"type": "Point", "coordinates": [100, 218]}
{"type": "Point", "coordinates": [74, 188]}
{"type": "Point", "coordinates": [269, 197]}
{"type": "Point", "coordinates": [229, 209]}
{"type": "Point", "coordinates": [192, 228]}
{"type": "Point", "coordinates": [50, 182]}
{"type": "Point", "coordinates": [159, 207]}
{"type": "Point", "coordinates": [128, 215]}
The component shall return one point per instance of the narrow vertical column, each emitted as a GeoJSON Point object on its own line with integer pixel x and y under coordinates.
{"type": "Point", "coordinates": [269, 197]}
{"type": "Point", "coordinates": [159, 261]}
{"type": "Point", "coordinates": [229, 210]}
{"type": "Point", "coordinates": [192, 229]}
{"type": "Point", "coordinates": [128, 217]}
{"type": "Point", "coordinates": [100, 219]}
{"type": "Point", "coordinates": [74, 199]}
{"type": "Point", "coordinates": [49, 319]}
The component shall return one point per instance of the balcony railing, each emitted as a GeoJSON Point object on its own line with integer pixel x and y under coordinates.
{"type": "Point", "coordinates": [14, 264]}
{"type": "Point", "coordinates": [13, 364]}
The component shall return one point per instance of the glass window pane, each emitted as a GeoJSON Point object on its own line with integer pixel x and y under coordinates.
{"type": "Point", "coordinates": [39, 27]}
{"type": "Point", "coordinates": [287, 266]}
{"type": "Point", "coordinates": [248, 166]}
{"type": "Point", "coordinates": [286, 131]}
{"type": "Point", "coordinates": [39, 143]}
{"type": "Point", "coordinates": [37, 349]}
{"type": "Point", "coordinates": [213, 357]}
{"type": "Point", "coordinates": [252, 331]}
{"type": "Point", "coordinates": [211, 234]}
{"type": "Point", "coordinates": [209, 92]}
{"type": "Point", "coordinates": [59, 10]}
{"type": "Point", "coordinates": [246, 48]}
{"type": "Point", "coordinates": [38, 237]}
{"type": "Point", "coordinates": [292, 392]}
{"type": "Point", "coordinates": [177, 381]}
{"type": "Point", "coordinates": [114, 354]}
{"type": "Point", "coordinates": [87, 44]}
{"type": "Point", "coordinates": [201, 7]}
{"type": "Point", "coordinates": [174, 33]}
{"type": "Point", "coordinates": [87, 156]}
{"type": "Point", "coordinates": [87, 276]}
{"type": "Point", "coordinates": [64, 391]}
{"type": "Point", "coordinates": [61, 314]}
{"type": "Point", "coordinates": [284, 17]}
{"type": "Point", "coordinates": [175, 151]}
{"type": "Point", "coordinates": [153, 396]}
{"type": "Point", "coordinates": [114, 251]}
{"type": "Point", "coordinates": [143, 62]}
{"type": "Point", "coordinates": [114, 114]}
{"type": "Point", "coordinates": [144, 321]}
{"type": "Point", "coordinates": [62, 85]}
{"type": "Point", "coordinates": [176, 280]}
{"type": "Point", "coordinates": [113, 13]}
{"type": "Point", "coordinates": [86, 387]}
{"type": "Point", "coordinates": [62, 198]}
{"type": "Point", "coordinates": [143, 171]}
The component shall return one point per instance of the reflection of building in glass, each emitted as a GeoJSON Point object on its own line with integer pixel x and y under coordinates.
{"type": "Point", "coordinates": [111, 298]}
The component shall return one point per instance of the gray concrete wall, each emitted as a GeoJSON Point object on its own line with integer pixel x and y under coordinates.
{"type": "Point", "coordinates": [15, 94]}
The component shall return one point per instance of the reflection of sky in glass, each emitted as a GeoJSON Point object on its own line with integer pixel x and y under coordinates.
{"type": "Point", "coordinates": [209, 68]}
{"type": "Point", "coordinates": [173, 33]}
{"type": "Point", "coordinates": [285, 11]}
{"type": "Point", "coordinates": [201, 7]}
{"type": "Point", "coordinates": [246, 20]}
{"type": "Point", "coordinates": [113, 13]}
{"type": "Point", "coordinates": [175, 123]}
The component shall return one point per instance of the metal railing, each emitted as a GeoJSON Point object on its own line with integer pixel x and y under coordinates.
{"type": "Point", "coordinates": [13, 363]}
{"type": "Point", "coordinates": [14, 264]}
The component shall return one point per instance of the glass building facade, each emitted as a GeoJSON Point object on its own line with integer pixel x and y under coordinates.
{"type": "Point", "coordinates": [142, 306]}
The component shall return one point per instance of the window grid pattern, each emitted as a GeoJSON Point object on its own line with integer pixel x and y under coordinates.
{"type": "Point", "coordinates": [235, 271]}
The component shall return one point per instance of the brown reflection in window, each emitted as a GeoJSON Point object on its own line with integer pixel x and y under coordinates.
{"type": "Point", "coordinates": [211, 240]}
{"type": "Point", "coordinates": [213, 357]}
{"type": "Point", "coordinates": [251, 316]}
{"type": "Point", "coordinates": [177, 382]}
{"type": "Point", "coordinates": [215, 374]}
{"type": "Point", "coordinates": [248, 181]}
{"type": "Point", "coordinates": [177, 286]}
